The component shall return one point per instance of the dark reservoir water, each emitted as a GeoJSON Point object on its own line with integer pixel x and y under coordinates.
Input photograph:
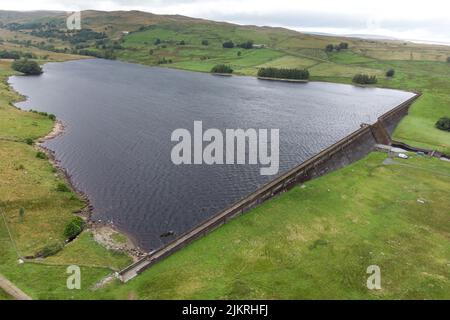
{"type": "Point", "coordinates": [120, 118]}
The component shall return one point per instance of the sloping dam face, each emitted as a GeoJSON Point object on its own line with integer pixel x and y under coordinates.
{"type": "Point", "coordinates": [119, 120]}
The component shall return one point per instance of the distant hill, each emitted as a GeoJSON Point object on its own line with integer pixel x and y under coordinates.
{"type": "Point", "coordinates": [197, 44]}
{"type": "Point", "coordinates": [28, 16]}
{"type": "Point", "coordinates": [113, 22]}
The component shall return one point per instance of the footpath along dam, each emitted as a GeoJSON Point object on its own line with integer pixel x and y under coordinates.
{"type": "Point", "coordinates": [346, 151]}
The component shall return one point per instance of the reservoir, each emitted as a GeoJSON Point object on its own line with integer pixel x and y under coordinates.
{"type": "Point", "coordinates": [119, 118]}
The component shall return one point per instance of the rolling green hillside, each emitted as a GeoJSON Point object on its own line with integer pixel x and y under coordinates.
{"type": "Point", "coordinates": [26, 17]}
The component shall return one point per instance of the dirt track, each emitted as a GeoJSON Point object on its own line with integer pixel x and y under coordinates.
{"type": "Point", "coordinates": [12, 290]}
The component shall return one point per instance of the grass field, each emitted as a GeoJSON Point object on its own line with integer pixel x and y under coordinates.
{"type": "Point", "coordinates": [312, 242]}
{"type": "Point", "coordinates": [30, 183]}
{"type": "Point", "coordinates": [4, 295]}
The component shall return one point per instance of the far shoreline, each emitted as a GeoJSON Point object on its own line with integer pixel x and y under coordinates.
{"type": "Point", "coordinates": [233, 75]}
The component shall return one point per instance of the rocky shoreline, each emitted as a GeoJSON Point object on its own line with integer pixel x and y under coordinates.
{"type": "Point", "coordinates": [103, 232]}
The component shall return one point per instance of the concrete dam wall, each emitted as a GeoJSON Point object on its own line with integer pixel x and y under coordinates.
{"type": "Point", "coordinates": [344, 152]}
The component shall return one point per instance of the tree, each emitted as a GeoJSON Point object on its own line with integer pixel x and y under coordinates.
{"type": "Point", "coordinates": [22, 214]}
{"type": "Point", "coordinates": [246, 45]}
{"type": "Point", "coordinates": [109, 54]}
{"type": "Point", "coordinates": [157, 41]}
{"type": "Point", "coordinates": [29, 55]}
{"type": "Point", "coordinates": [239, 53]}
{"type": "Point", "coordinates": [27, 67]}
{"type": "Point", "coordinates": [343, 45]}
{"type": "Point", "coordinates": [222, 68]}
{"type": "Point", "coordinates": [182, 43]}
{"type": "Point", "coordinates": [390, 73]}
{"type": "Point", "coordinates": [74, 228]}
{"type": "Point", "coordinates": [365, 79]}
{"type": "Point", "coordinates": [205, 42]}
{"type": "Point", "coordinates": [443, 124]}
{"type": "Point", "coordinates": [329, 48]}
{"type": "Point", "coordinates": [9, 55]}
{"type": "Point", "coordinates": [228, 44]}
{"type": "Point", "coordinates": [448, 59]}
{"type": "Point", "coordinates": [163, 60]}
{"type": "Point", "coordinates": [294, 74]}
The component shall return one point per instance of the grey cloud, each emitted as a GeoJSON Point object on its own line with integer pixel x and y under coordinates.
{"type": "Point", "coordinates": [328, 20]}
{"type": "Point", "coordinates": [292, 16]}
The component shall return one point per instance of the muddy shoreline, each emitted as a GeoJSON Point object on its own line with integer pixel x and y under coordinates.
{"type": "Point", "coordinates": [103, 232]}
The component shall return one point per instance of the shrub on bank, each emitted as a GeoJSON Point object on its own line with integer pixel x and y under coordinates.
{"type": "Point", "coordinates": [27, 67]}
{"type": "Point", "coordinates": [163, 60]}
{"type": "Point", "coordinates": [365, 79]}
{"type": "Point", "coordinates": [74, 228]}
{"type": "Point", "coordinates": [62, 187]}
{"type": "Point", "coordinates": [293, 74]}
{"type": "Point", "coordinates": [246, 45]}
{"type": "Point", "coordinates": [222, 68]}
{"type": "Point", "coordinates": [443, 124]}
{"type": "Point", "coordinates": [343, 46]}
{"type": "Point", "coordinates": [22, 214]}
{"type": "Point", "coordinates": [329, 48]}
{"type": "Point", "coordinates": [51, 249]}
{"type": "Point", "coordinates": [41, 155]}
{"type": "Point", "coordinates": [228, 44]}
{"type": "Point", "coordinates": [390, 73]}
{"type": "Point", "coordinates": [103, 54]}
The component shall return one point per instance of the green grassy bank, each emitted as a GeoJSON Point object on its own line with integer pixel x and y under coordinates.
{"type": "Point", "coordinates": [4, 295]}
{"type": "Point", "coordinates": [31, 183]}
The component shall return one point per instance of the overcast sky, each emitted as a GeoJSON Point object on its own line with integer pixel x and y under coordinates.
{"type": "Point", "coordinates": [406, 19]}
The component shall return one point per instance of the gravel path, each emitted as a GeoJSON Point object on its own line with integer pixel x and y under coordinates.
{"type": "Point", "coordinates": [12, 290]}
